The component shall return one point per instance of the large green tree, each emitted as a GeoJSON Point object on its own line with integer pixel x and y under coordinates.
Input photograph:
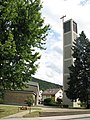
{"type": "Point", "coordinates": [22, 31]}
{"type": "Point", "coordinates": [79, 80]}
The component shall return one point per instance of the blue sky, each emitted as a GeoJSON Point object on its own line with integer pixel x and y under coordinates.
{"type": "Point", "coordinates": [51, 62]}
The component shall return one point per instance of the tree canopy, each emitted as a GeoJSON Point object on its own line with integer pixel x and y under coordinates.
{"type": "Point", "coordinates": [22, 30]}
{"type": "Point", "coordinates": [79, 80]}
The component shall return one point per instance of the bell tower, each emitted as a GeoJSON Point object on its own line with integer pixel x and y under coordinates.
{"type": "Point", "coordinates": [69, 34]}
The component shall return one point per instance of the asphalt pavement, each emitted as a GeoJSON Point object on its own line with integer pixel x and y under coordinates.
{"type": "Point", "coordinates": [19, 116]}
{"type": "Point", "coordinates": [68, 117]}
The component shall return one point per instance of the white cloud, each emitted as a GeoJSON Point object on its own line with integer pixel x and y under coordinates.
{"type": "Point", "coordinates": [51, 61]}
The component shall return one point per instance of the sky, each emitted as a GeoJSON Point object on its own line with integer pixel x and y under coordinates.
{"type": "Point", "coordinates": [51, 62]}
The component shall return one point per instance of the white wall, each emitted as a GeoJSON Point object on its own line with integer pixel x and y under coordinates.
{"type": "Point", "coordinates": [59, 94]}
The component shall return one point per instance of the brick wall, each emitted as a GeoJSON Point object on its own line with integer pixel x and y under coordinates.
{"type": "Point", "coordinates": [16, 97]}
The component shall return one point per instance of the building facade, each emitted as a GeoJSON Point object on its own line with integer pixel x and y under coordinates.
{"type": "Point", "coordinates": [53, 93]}
{"type": "Point", "coordinates": [19, 96]}
{"type": "Point", "coordinates": [69, 34]}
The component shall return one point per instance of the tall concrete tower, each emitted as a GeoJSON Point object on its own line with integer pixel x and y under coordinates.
{"type": "Point", "coordinates": [69, 34]}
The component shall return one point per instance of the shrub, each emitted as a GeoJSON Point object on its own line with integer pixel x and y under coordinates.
{"type": "Point", "coordinates": [1, 101]}
{"type": "Point", "coordinates": [59, 101]}
{"type": "Point", "coordinates": [29, 101]}
{"type": "Point", "coordinates": [1, 96]}
{"type": "Point", "coordinates": [82, 104]}
{"type": "Point", "coordinates": [65, 106]}
{"type": "Point", "coordinates": [48, 101]}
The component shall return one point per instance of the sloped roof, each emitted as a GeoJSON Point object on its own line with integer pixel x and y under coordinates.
{"type": "Point", "coordinates": [30, 83]}
{"type": "Point", "coordinates": [51, 91]}
{"type": "Point", "coordinates": [32, 86]}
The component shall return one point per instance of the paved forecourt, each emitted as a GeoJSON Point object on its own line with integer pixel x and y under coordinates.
{"type": "Point", "coordinates": [68, 117]}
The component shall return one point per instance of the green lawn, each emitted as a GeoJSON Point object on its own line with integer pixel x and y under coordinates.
{"type": "Point", "coordinates": [34, 113]}
{"type": "Point", "coordinates": [6, 110]}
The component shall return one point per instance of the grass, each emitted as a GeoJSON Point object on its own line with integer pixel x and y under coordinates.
{"type": "Point", "coordinates": [6, 110]}
{"type": "Point", "coordinates": [37, 109]}
{"type": "Point", "coordinates": [34, 113]}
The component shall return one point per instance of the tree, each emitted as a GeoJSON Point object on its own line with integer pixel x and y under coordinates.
{"type": "Point", "coordinates": [30, 101]}
{"type": "Point", "coordinates": [79, 80]}
{"type": "Point", "coordinates": [22, 30]}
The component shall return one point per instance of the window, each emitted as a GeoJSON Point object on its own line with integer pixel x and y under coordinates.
{"type": "Point", "coordinates": [74, 27]}
{"type": "Point", "coordinates": [67, 26]}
